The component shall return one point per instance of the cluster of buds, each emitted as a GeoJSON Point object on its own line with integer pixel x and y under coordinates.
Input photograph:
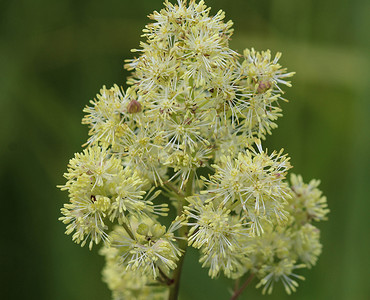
{"type": "Point", "coordinates": [189, 127]}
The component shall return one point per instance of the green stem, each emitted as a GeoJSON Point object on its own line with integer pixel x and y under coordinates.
{"type": "Point", "coordinates": [171, 189]}
{"type": "Point", "coordinates": [183, 243]}
{"type": "Point", "coordinates": [128, 230]}
{"type": "Point", "coordinates": [239, 291]}
{"type": "Point", "coordinates": [164, 278]}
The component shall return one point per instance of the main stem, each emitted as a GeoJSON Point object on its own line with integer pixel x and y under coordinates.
{"type": "Point", "coordinates": [183, 242]}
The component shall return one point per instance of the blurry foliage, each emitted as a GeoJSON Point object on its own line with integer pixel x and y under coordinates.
{"type": "Point", "coordinates": [55, 56]}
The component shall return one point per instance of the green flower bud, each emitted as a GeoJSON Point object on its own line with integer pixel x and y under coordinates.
{"type": "Point", "coordinates": [158, 230]}
{"type": "Point", "coordinates": [143, 229]}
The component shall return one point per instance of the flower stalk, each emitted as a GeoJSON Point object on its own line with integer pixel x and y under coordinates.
{"type": "Point", "coordinates": [183, 243]}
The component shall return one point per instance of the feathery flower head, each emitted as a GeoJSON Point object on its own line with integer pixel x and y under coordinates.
{"type": "Point", "coordinates": [128, 284]}
{"type": "Point", "coordinates": [217, 233]}
{"type": "Point", "coordinates": [280, 271]}
{"type": "Point", "coordinates": [108, 117]}
{"type": "Point", "coordinates": [147, 247]}
{"type": "Point", "coordinates": [262, 79]}
{"type": "Point", "coordinates": [306, 244]}
{"type": "Point", "coordinates": [85, 214]}
{"type": "Point", "coordinates": [252, 182]}
{"type": "Point", "coordinates": [307, 202]}
{"type": "Point", "coordinates": [281, 249]}
{"type": "Point", "coordinates": [193, 107]}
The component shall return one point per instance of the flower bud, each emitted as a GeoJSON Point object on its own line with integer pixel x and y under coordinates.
{"type": "Point", "coordinates": [143, 229]}
{"type": "Point", "coordinates": [263, 86]}
{"type": "Point", "coordinates": [134, 107]}
{"type": "Point", "coordinates": [158, 230]}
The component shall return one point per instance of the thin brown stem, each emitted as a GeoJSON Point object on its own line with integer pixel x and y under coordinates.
{"type": "Point", "coordinates": [239, 291]}
{"type": "Point", "coordinates": [236, 286]}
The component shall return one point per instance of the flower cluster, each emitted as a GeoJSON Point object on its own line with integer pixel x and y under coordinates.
{"type": "Point", "coordinates": [100, 189]}
{"type": "Point", "coordinates": [281, 250]}
{"type": "Point", "coordinates": [128, 284]}
{"type": "Point", "coordinates": [146, 246]}
{"type": "Point", "coordinates": [251, 184]}
{"type": "Point", "coordinates": [228, 243]}
{"type": "Point", "coordinates": [218, 234]}
{"type": "Point", "coordinates": [190, 124]}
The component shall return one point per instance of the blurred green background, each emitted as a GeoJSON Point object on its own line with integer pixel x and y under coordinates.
{"type": "Point", "coordinates": [55, 56]}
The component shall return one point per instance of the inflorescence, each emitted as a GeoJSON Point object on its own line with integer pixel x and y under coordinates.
{"type": "Point", "coordinates": [190, 126]}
